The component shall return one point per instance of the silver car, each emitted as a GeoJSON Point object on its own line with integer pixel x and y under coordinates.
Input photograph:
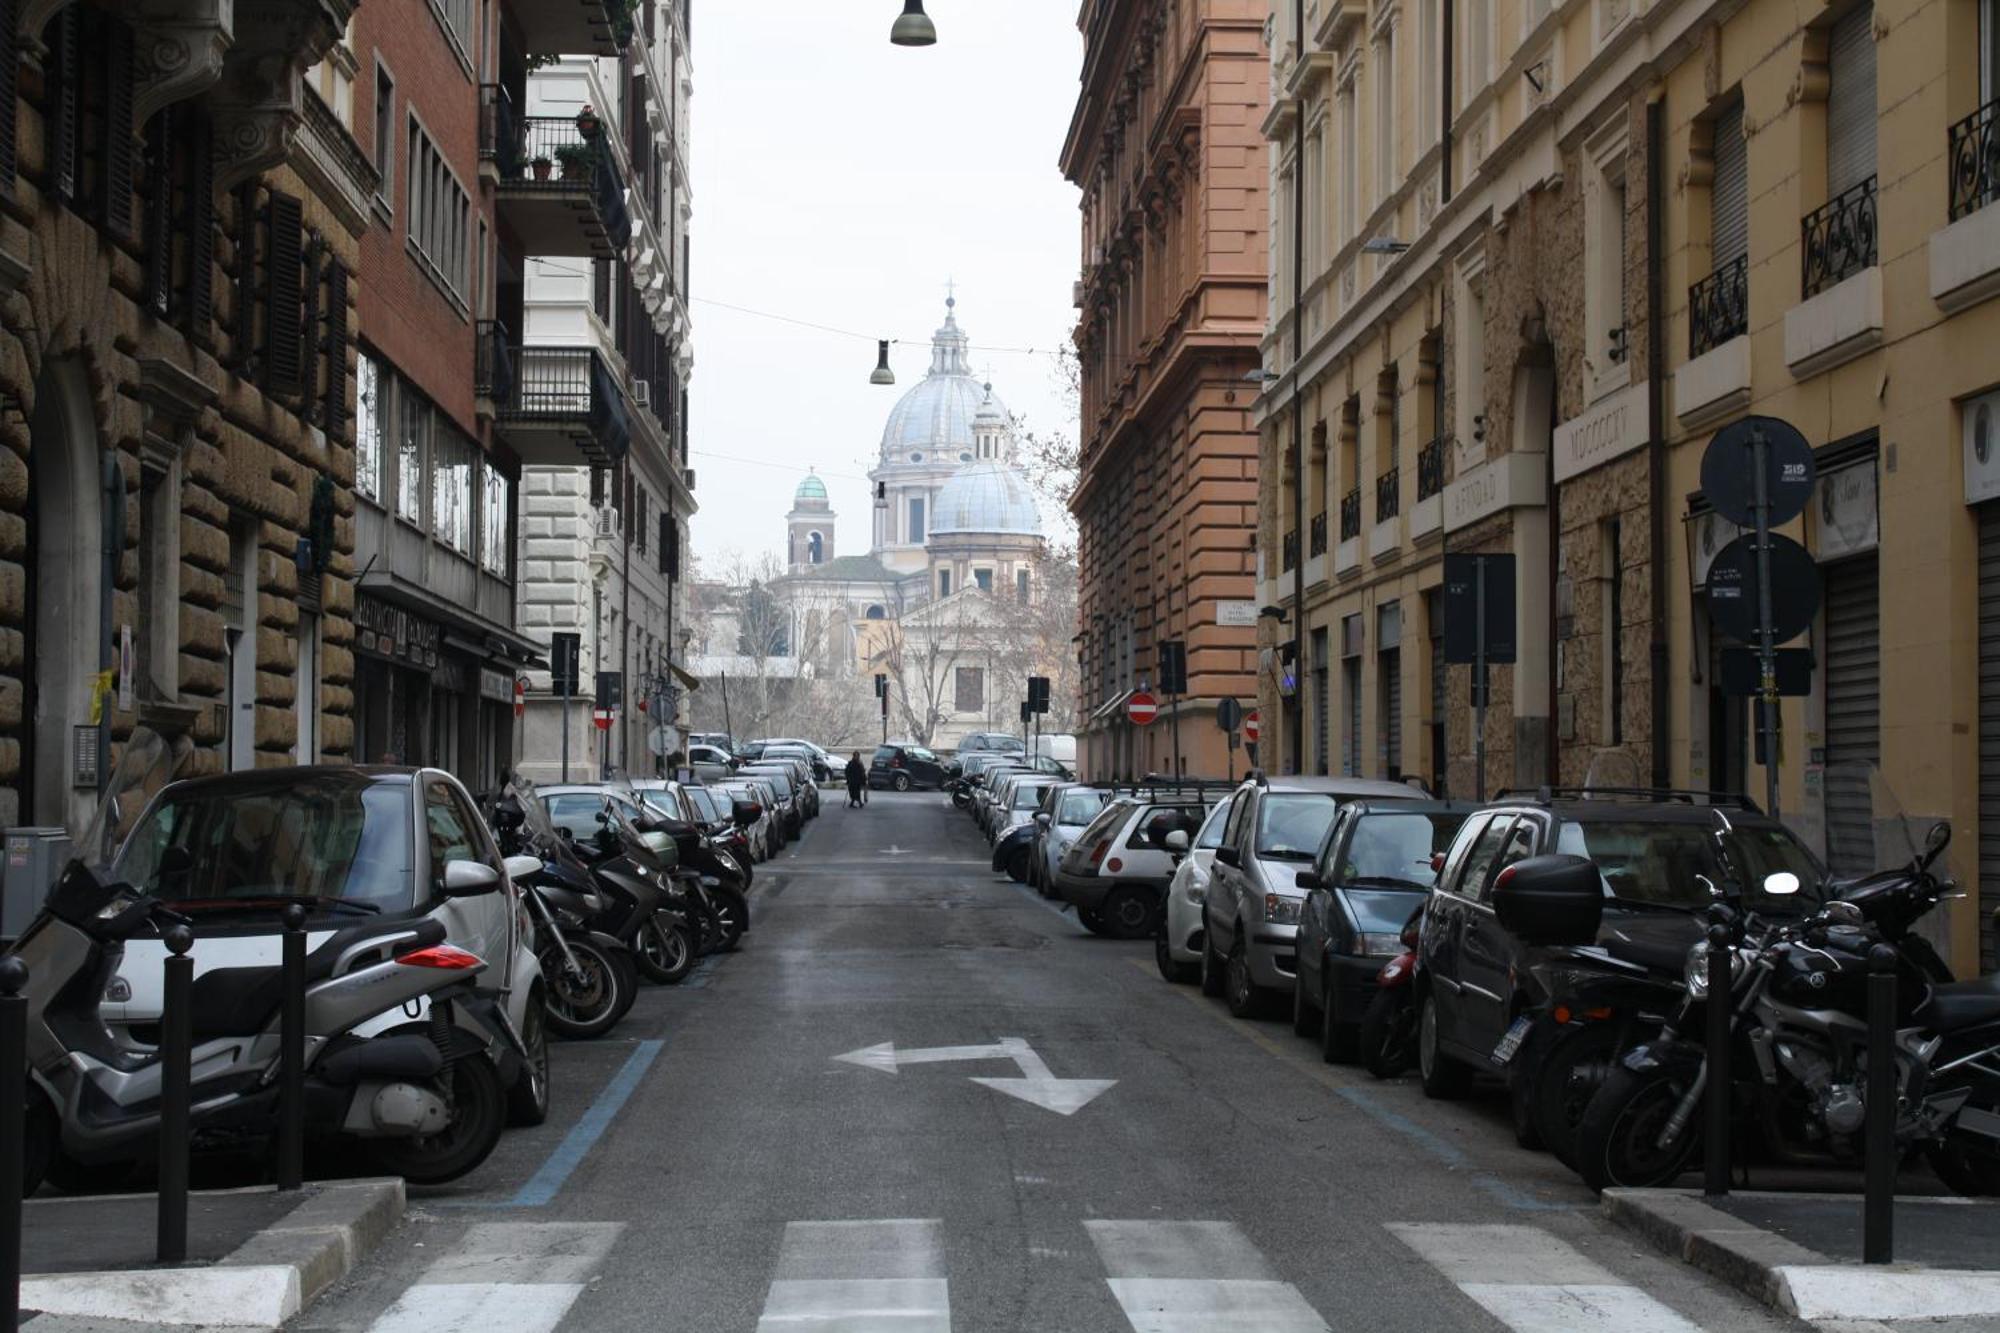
{"type": "Point", "coordinates": [1069, 813]}
{"type": "Point", "coordinates": [1250, 919]}
{"type": "Point", "coordinates": [1177, 948]}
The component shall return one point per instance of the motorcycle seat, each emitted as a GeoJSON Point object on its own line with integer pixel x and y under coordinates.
{"type": "Point", "coordinates": [1648, 952]}
{"type": "Point", "coordinates": [237, 1001]}
{"type": "Point", "coordinates": [1962, 1004]}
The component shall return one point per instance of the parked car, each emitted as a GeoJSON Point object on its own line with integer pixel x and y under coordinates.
{"type": "Point", "coordinates": [1374, 870]}
{"type": "Point", "coordinates": [1177, 946]}
{"type": "Point", "coordinates": [902, 765]}
{"type": "Point", "coordinates": [1480, 988]}
{"type": "Point", "coordinates": [997, 742]}
{"type": "Point", "coordinates": [765, 838]}
{"type": "Point", "coordinates": [1067, 809]}
{"type": "Point", "coordinates": [817, 760]}
{"type": "Point", "coordinates": [1250, 919]}
{"type": "Point", "coordinates": [710, 763]}
{"type": "Point", "coordinates": [805, 791]}
{"type": "Point", "coordinates": [784, 784]}
{"type": "Point", "coordinates": [1116, 872]}
{"type": "Point", "coordinates": [720, 740]}
{"type": "Point", "coordinates": [1015, 815]}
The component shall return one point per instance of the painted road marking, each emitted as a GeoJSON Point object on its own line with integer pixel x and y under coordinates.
{"type": "Point", "coordinates": [1196, 1277]}
{"type": "Point", "coordinates": [860, 1277]}
{"type": "Point", "coordinates": [547, 1182]}
{"type": "Point", "coordinates": [503, 1277]}
{"type": "Point", "coordinates": [1037, 1084]}
{"type": "Point", "coordinates": [1530, 1280]}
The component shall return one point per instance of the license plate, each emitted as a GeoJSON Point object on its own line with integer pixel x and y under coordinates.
{"type": "Point", "coordinates": [1511, 1043]}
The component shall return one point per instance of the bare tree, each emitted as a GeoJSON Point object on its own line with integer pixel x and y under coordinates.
{"type": "Point", "coordinates": [1052, 458]}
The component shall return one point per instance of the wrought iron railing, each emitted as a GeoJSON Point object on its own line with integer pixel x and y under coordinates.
{"type": "Point", "coordinates": [1388, 494]}
{"type": "Point", "coordinates": [1719, 306]}
{"type": "Point", "coordinates": [1839, 237]}
{"type": "Point", "coordinates": [1291, 552]}
{"type": "Point", "coordinates": [554, 154]}
{"type": "Point", "coordinates": [1975, 160]}
{"type": "Point", "coordinates": [492, 361]}
{"type": "Point", "coordinates": [566, 385]}
{"type": "Point", "coordinates": [1316, 536]}
{"type": "Point", "coordinates": [1430, 469]}
{"type": "Point", "coordinates": [1350, 515]}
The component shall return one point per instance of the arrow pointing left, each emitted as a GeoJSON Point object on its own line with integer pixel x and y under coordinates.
{"type": "Point", "coordinates": [1036, 1085]}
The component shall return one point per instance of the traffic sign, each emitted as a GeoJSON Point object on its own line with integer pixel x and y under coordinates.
{"type": "Point", "coordinates": [1142, 708]}
{"type": "Point", "coordinates": [601, 718]}
{"type": "Point", "coordinates": [1732, 589]}
{"type": "Point", "coordinates": [1251, 727]}
{"type": "Point", "coordinates": [1729, 471]}
{"type": "Point", "coordinates": [1228, 714]}
{"type": "Point", "coordinates": [520, 696]}
{"type": "Point", "coordinates": [565, 655]}
{"type": "Point", "coordinates": [1473, 581]}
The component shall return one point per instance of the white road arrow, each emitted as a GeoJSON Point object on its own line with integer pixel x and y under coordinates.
{"type": "Point", "coordinates": [1036, 1085]}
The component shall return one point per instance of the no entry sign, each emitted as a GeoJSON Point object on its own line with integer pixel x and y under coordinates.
{"type": "Point", "coordinates": [1142, 708]}
{"type": "Point", "coordinates": [1251, 727]}
{"type": "Point", "coordinates": [601, 718]}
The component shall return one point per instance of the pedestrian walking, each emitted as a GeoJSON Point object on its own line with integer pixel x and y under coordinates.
{"type": "Point", "coordinates": [857, 782]}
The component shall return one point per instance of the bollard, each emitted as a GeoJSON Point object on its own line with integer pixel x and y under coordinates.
{"type": "Point", "coordinates": [13, 1133]}
{"type": "Point", "coordinates": [176, 1058]}
{"type": "Point", "coordinates": [1715, 1159]}
{"type": "Point", "coordinates": [292, 1055]}
{"type": "Point", "coordinates": [1878, 1234]}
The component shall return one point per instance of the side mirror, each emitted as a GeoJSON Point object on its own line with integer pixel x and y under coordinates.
{"type": "Point", "coordinates": [1043, 819]}
{"type": "Point", "coordinates": [1177, 842]}
{"type": "Point", "coordinates": [471, 879]}
{"type": "Point", "coordinates": [1308, 879]}
{"type": "Point", "coordinates": [1550, 900]}
{"type": "Point", "coordinates": [520, 867]}
{"type": "Point", "coordinates": [1781, 883]}
{"type": "Point", "coordinates": [1938, 838]}
{"type": "Point", "coordinates": [1229, 856]}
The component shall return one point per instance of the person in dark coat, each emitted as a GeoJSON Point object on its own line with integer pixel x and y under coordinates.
{"type": "Point", "coordinates": [857, 781]}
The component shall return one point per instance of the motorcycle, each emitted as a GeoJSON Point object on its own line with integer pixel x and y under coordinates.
{"type": "Point", "coordinates": [428, 1099]}
{"type": "Point", "coordinates": [707, 881]}
{"type": "Point", "coordinates": [1798, 1040]}
{"type": "Point", "coordinates": [1387, 1043]}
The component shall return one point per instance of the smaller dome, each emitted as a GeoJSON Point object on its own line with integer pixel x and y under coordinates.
{"type": "Point", "coordinates": [989, 415]}
{"type": "Point", "coordinates": [812, 488]}
{"type": "Point", "coordinates": [986, 497]}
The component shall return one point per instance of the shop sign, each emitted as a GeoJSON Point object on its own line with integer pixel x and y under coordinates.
{"type": "Point", "coordinates": [1511, 481]}
{"type": "Point", "coordinates": [496, 685]}
{"type": "Point", "coordinates": [385, 630]}
{"type": "Point", "coordinates": [1849, 521]}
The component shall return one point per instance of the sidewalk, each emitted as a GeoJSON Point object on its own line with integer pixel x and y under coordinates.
{"type": "Point", "coordinates": [1801, 1253]}
{"type": "Point", "coordinates": [255, 1257]}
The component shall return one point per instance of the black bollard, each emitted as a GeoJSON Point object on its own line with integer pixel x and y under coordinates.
{"type": "Point", "coordinates": [1878, 1213]}
{"type": "Point", "coordinates": [13, 1133]}
{"type": "Point", "coordinates": [1715, 1159]}
{"type": "Point", "coordinates": [292, 1055]}
{"type": "Point", "coordinates": [176, 1056]}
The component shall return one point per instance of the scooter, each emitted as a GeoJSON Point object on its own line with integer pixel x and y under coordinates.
{"type": "Point", "coordinates": [1387, 1043]}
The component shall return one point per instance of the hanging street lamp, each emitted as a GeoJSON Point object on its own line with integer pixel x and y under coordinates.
{"type": "Point", "coordinates": [913, 27]}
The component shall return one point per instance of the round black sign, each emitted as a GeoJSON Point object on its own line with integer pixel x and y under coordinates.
{"type": "Point", "coordinates": [1228, 714]}
{"type": "Point", "coordinates": [1730, 484]}
{"type": "Point", "coordinates": [1732, 589]}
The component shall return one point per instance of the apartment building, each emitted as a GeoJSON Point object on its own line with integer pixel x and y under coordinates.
{"type": "Point", "coordinates": [1164, 145]}
{"type": "Point", "coordinates": [1548, 250]}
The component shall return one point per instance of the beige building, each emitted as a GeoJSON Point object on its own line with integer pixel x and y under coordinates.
{"type": "Point", "coordinates": [1511, 306]}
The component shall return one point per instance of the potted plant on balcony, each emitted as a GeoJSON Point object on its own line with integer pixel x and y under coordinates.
{"type": "Point", "coordinates": [587, 123]}
{"type": "Point", "coordinates": [576, 160]}
{"type": "Point", "coordinates": [542, 166]}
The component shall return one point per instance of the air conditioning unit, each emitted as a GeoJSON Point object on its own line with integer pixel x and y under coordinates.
{"type": "Point", "coordinates": [642, 393]}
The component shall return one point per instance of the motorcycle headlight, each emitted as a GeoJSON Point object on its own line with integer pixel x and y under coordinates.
{"type": "Point", "coordinates": [1378, 943]}
{"type": "Point", "coordinates": [1282, 911]}
{"type": "Point", "coordinates": [1696, 971]}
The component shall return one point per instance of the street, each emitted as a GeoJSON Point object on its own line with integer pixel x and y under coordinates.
{"type": "Point", "coordinates": [713, 1165]}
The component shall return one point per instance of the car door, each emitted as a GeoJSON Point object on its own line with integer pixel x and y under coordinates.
{"type": "Point", "coordinates": [1226, 882]}
{"type": "Point", "coordinates": [1444, 921]}
{"type": "Point", "coordinates": [1316, 925]}
{"type": "Point", "coordinates": [453, 833]}
{"type": "Point", "coordinates": [1486, 952]}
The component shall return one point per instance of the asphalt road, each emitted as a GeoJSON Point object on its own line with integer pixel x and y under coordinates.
{"type": "Point", "coordinates": [714, 1166]}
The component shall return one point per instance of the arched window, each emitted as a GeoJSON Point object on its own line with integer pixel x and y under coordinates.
{"type": "Point", "coordinates": [875, 613]}
{"type": "Point", "coordinates": [815, 548]}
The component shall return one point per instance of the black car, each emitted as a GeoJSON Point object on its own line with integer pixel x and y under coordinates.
{"type": "Point", "coordinates": [1371, 874]}
{"type": "Point", "coordinates": [902, 765]}
{"type": "Point", "coordinates": [1482, 992]}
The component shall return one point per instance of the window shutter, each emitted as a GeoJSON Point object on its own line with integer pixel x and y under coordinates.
{"type": "Point", "coordinates": [120, 152]}
{"type": "Point", "coordinates": [1850, 102]}
{"type": "Point", "coordinates": [669, 557]}
{"type": "Point", "coordinates": [199, 223]}
{"type": "Point", "coordinates": [334, 416]}
{"type": "Point", "coordinates": [1729, 198]}
{"type": "Point", "coordinates": [244, 340]}
{"type": "Point", "coordinates": [282, 371]}
{"type": "Point", "coordinates": [10, 56]}
{"type": "Point", "coordinates": [156, 227]}
{"type": "Point", "coordinates": [62, 122]}
{"type": "Point", "coordinates": [309, 335]}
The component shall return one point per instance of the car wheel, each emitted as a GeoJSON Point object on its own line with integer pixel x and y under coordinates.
{"type": "Point", "coordinates": [528, 1099]}
{"type": "Point", "coordinates": [1339, 1043]}
{"type": "Point", "coordinates": [1386, 1038]}
{"type": "Point", "coordinates": [1443, 1077]}
{"type": "Point", "coordinates": [1093, 921]}
{"type": "Point", "coordinates": [1171, 968]}
{"type": "Point", "coordinates": [1305, 1018]}
{"type": "Point", "coordinates": [1567, 1078]}
{"type": "Point", "coordinates": [901, 782]}
{"type": "Point", "coordinates": [1129, 911]}
{"type": "Point", "coordinates": [1245, 998]}
{"type": "Point", "coordinates": [1211, 964]}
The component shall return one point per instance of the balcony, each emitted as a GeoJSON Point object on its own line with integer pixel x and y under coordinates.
{"type": "Point", "coordinates": [557, 187]}
{"type": "Point", "coordinates": [1974, 152]}
{"type": "Point", "coordinates": [1719, 307]}
{"type": "Point", "coordinates": [1316, 538]}
{"type": "Point", "coordinates": [1430, 470]}
{"type": "Point", "coordinates": [554, 406]}
{"type": "Point", "coordinates": [573, 27]}
{"type": "Point", "coordinates": [1839, 238]}
{"type": "Point", "coordinates": [1388, 494]}
{"type": "Point", "coordinates": [1965, 255]}
{"type": "Point", "coordinates": [1350, 515]}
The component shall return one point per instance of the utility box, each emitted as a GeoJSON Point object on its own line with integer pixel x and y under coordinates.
{"type": "Point", "coordinates": [35, 856]}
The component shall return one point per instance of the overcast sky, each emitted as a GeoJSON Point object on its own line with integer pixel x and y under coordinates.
{"type": "Point", "coordinates": [841, 181]}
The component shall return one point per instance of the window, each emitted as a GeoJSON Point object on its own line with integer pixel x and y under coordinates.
{"type": "Point", "coordinates": [493, 525]}
{"type": "Point", "coordinates": [639, 514]}
{"type": "Point", "coordinates": [915, 536]}
{"type": "Point", "coordinates": [449, 832]}
{"type": "Point", "coordinates": [1472, 873]}
{"type": "Point", "coordinates": [1729, 192]}
{"type": "Point", "coordinates": [456, 15]}
{"type": "Point", "coordinates": [439, 211]}
{"type": "Point", "coordinates": [1478, 47]}
{"type": "Point", "coordinates": [306, 684]}
{"type": "Point", "coordinates": [1429, 65]}
{"type": "Point", "coordinates": [1021, 585]}
{"type": "Point", "coordinates": [875, 612]}
{"type": "Point", "coordinates": [815, 548]}
{"type": "Point", "coordinates": [1614, 634]}
{"type": "Point", "coordinates": [969, 689]}
{"type": "Point", "coordinates": [1850, 102]}
{"type": "Point", "coordinates": [385, 134]}
{"type": "Point", "coordinates": [1292, 827]}
{"type": "Point", "coordinates": [451, 488]}
{"type": "Point", "coordinates": [944, 583]}
{"type": "Point", "coordinates": [415, 436]}
{"type": "Point", "coordinates": [1350, 147]}
{"type": "Point", "coordinates": [1519, 846]}
{"type": "Point", "coordinates": [1470, 294]}
{"type": "Point", "coordinates": [984, 578]}
{"type": "Point", "coordinates": [1604, 258]}
{"type": "Point", "coordinates": [156, 640]}
{"type": "Point", "coordinates": [1383, 72]}
{"type": "Point", "coordinates": [371, 426]}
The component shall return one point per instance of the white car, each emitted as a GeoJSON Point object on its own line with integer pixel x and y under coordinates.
{"type": "Point", "coordinates": [710, 763]}
{"type": "Point", "coordinates": [1177, 948]}
{"type": "Point", "coordinates": [1075, 806]}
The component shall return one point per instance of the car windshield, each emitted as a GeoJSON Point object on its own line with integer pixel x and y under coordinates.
{"type": "Point", "coordinates": [705, 804]}
{"type": "Point", "coordinates": [1655, 863]}
{"type": "Point", "coordinates": [318, 835]}
{"type": "Point", "coordinates": [1027, 795]}
{"type": "Point", "coordinates": [1291, 825]}
{"type": "Point", "coordinates": [1210, 836]}
{"type": "Point", "coordinates": [576, 813]}
{"type": "Point", "coordinates": [1079, 807]}
{"type": "Point", "coordinates": [1394, 850]}
{"type": "Point", "coordinates": [780, 783]}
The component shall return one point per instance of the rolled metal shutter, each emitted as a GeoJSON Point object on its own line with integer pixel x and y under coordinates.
{"type": "Point", "coordinates": [1322, 704]}
{"type": "Point", "coordinates": [1989, 730]}
{"type": "Point", "coordinates": [1392, 713]}
{"type": "Point", "coordinates": [1850, 102]}
{"type": "Point", "coordinates": [1351, 751]}
{"type": "Point", "coordinates": [1729, 192]}
{"type": "Point", "coordinates": [1853, 710]}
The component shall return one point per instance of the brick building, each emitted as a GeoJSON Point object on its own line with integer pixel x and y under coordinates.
{"type": "Point", "coordinates": [1165, 146]}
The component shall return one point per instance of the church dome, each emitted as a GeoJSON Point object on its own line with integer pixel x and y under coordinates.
{"type": "Point", "coordinates": [933, 422]}
{"type": "Point", "coordinates": [986, 497]}
{"type": "Point", "coordinates": [811, 490]}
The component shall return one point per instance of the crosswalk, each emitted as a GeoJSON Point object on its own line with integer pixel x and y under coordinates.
{"type": "Point", "coordinates": [1531, 1280]}
{"type": "Point", "coordinates": [503, 1277]}
{"type": "Point", "coordinates": [860, 1276]}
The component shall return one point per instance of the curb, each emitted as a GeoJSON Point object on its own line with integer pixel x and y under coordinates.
{"type": "Point", "coordinates": [267, 1280]}
{"type": "Point", "coordinates": [1790, 1278]}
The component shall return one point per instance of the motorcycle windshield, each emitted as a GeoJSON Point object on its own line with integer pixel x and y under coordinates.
{"type": "Point", "coordinates": [1863, 824]}
{"type": "Point", "coordinates": [146, 763]}
{"type": "Point", "coordinates": [641, 847]}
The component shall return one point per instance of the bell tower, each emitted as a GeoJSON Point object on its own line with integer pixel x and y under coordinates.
{"type": "Point", "coordinates": [809, 527]}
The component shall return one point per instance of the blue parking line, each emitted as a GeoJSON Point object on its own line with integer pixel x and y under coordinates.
{"type": "Point", "coordinates": [546, 1183]}
{"type": "Point", "coordinates": [1043, 903]}
{"type": "Point", "coordinates": [1449, 1155]}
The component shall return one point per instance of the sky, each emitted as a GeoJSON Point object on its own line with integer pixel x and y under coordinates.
{"type": "Point", "coordinates": [842, 181]}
